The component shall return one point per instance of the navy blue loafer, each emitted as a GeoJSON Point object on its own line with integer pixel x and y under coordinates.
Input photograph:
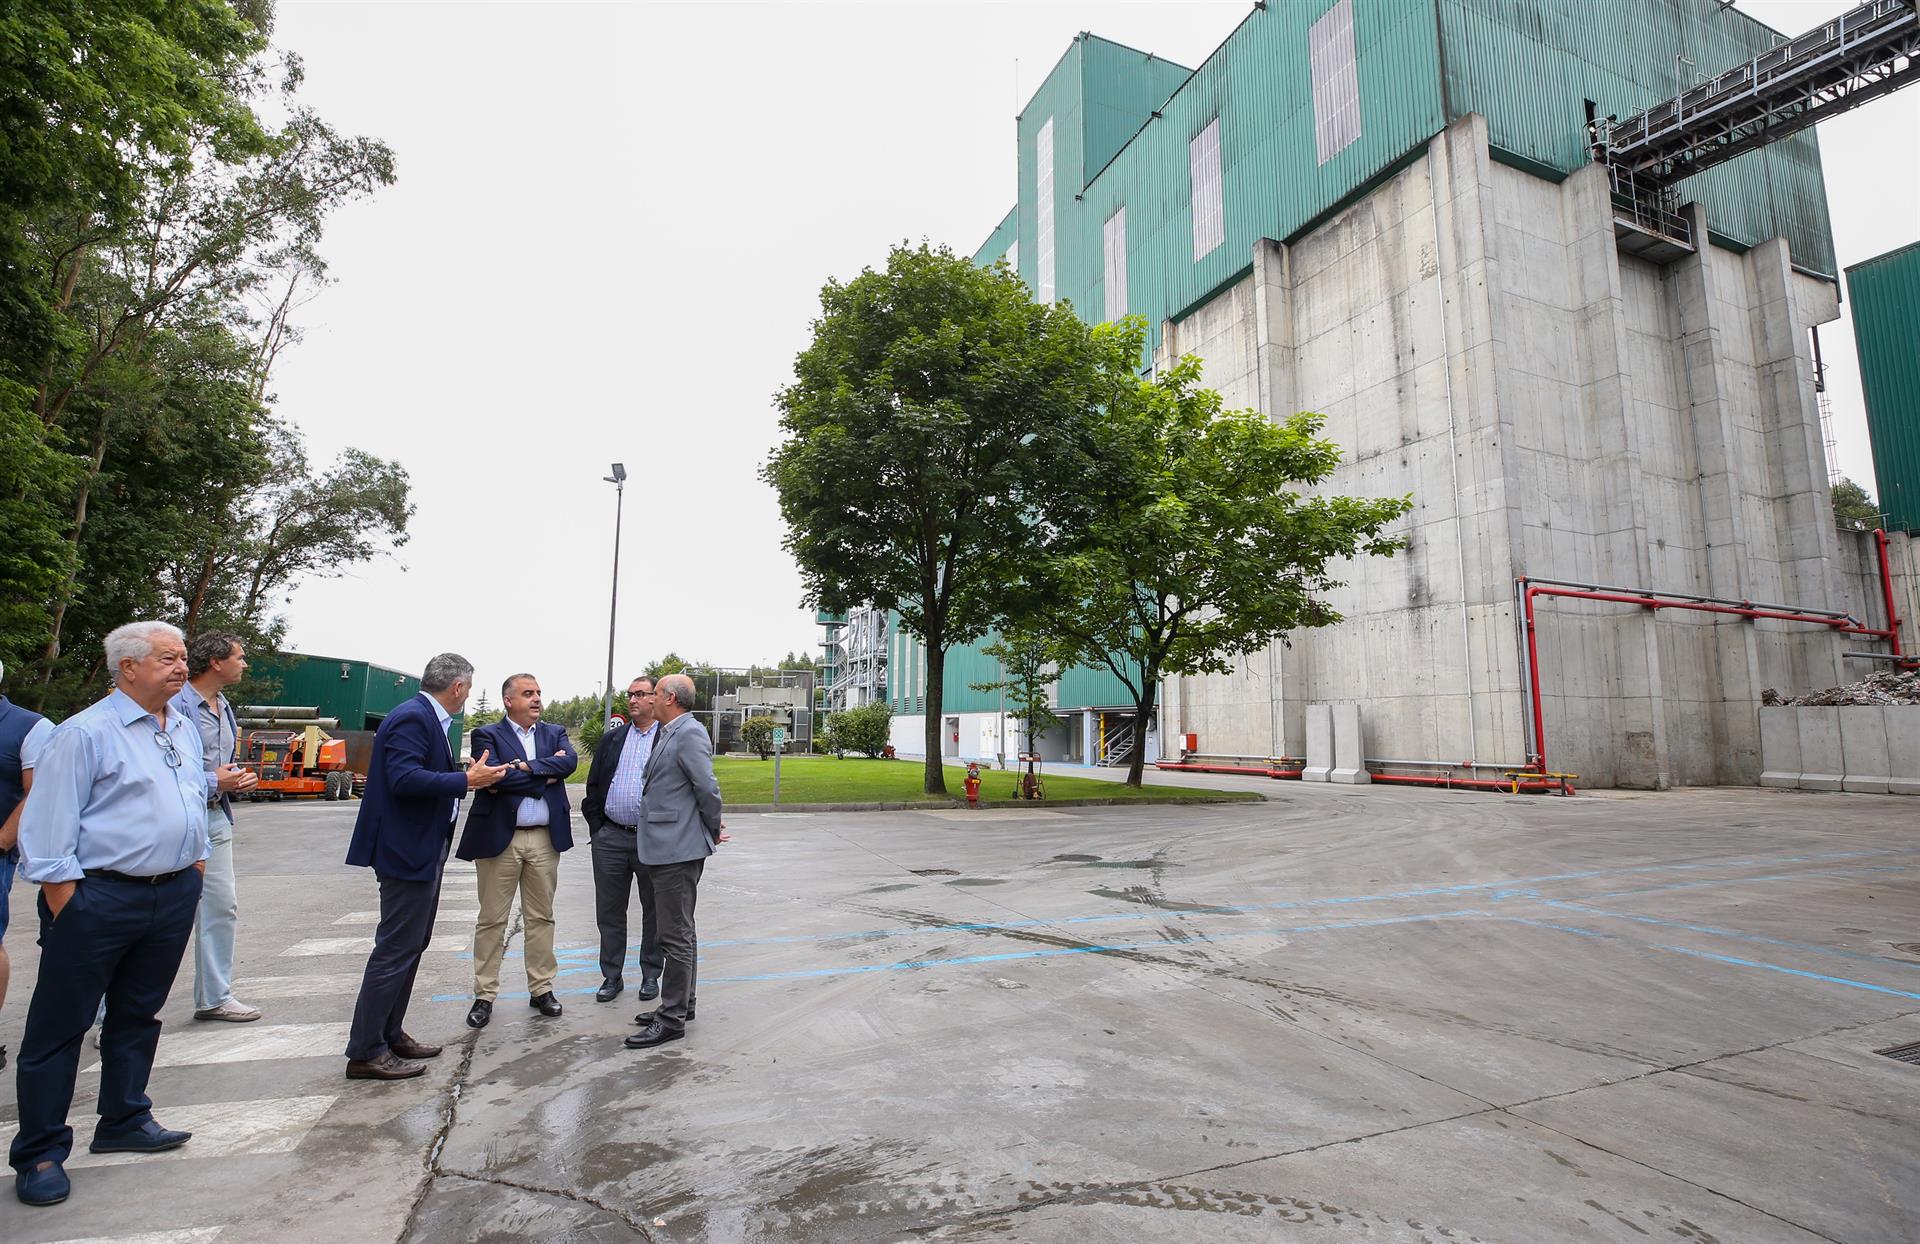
{"type": "Point", "coordinates": [45, 1184]}
{"type": "Point", "coordinates": [149, 1137]}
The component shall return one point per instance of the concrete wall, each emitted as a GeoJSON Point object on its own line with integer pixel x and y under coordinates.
{"type": "Point", "coordinates": [1869, 749]}
{"type": "Point", "coordinates": [1474, 337]}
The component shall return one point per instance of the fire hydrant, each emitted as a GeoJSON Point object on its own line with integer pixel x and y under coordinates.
{"type": "Point", "coordinates": [973, 784]}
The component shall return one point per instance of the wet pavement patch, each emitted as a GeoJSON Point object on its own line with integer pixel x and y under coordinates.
{"type": "Point", "coordinates": [979, 881]}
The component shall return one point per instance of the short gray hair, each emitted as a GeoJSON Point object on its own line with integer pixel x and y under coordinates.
{"type": "Point", "coordinates": [134, 642]}
{"type": "Point", "coordinates": [506, 688]}
{"type": "Point", "coordinates": [676, 687]}
{"type": "Point", "coordinates": [445, 670]}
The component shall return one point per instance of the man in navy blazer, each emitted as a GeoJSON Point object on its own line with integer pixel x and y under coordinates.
{"type": "Point", "coordinates": [405, 826]}
{"type": "Point", "coordinates": [514, 837]}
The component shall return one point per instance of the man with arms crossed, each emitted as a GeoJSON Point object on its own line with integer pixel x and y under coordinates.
{"type": "Point", "coordinates": [115, 833]}
{"type": "Point", "coordinates": [22, 736]}
{"type": "Point", "coordinates": [679, 827]}
{"type": "Point", "coordinates": [611, 808]}
{"type": "Point", "coordinates": [216, 661]}
{"type": "Point", "coordinates": [403, 831]}
{"type": "Point", "coordinates": [514, 837]}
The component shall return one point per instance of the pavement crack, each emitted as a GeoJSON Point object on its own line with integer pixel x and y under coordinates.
{"type": "Point", "coordinates": [449, 1115]}
{"type": "Point", "coordinates": [639, 1227]}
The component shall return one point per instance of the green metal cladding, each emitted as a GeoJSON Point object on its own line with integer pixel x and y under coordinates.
{"type": "Point", "coordinates": [358, 693]}
{"type": "Point", "coordinates": [1886, 329]}
{"type": "Point", "coordinates": [1528, 66]}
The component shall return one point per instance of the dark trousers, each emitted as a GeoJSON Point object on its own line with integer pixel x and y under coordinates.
{"type": "Point", "coordinates": [119, 940]}
{"type": "Point", "coordinates": [616, 866]}
{"type": "Point", "coordinates": [674, 888]}
{"type": "Point", "coordinates": [407, 909]}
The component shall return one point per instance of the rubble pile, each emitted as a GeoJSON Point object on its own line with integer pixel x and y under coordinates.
{"type": "Point", "coordinates": [1883, 687]}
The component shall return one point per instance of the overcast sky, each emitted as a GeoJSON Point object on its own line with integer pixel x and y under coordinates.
{"type": "Point", "coordinates": [608, 236]}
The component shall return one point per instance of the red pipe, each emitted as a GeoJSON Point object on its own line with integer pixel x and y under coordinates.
{"type": "Point", "coordinates": [1537, 786]}
{"type": "Point", "coordinates": [1886, 592]}
{"type": "Point", "coordinates": [1840, 624]}
{"type": "Point", "coordinates": [1256, 771]}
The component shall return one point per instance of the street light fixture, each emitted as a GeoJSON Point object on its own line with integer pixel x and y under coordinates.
{"type": "Point", "coordinates": [619, 481]}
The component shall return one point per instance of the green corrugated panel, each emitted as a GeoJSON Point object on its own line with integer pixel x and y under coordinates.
{"type": "Point", "coordinates": [1529, 66]}
{"type": "Point", "coordinates": [1122, 87]}
{"type": "Point", "coordinates": [351, 691]}
{"type": "Point", "coordinates": [1886, 329]}
{"type": "Point", "coordinates": [1000, 239]}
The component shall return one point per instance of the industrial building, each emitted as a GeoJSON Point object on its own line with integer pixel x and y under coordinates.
{"type": "Point", "coordinates": [351, 698]}
{"type": "Point", "coordinates": [1886, 330]}
{"type": "Point", "coordinates": [1555, 269]}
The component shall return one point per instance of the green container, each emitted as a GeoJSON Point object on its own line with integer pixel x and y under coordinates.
{"type": "Point", "coordinates": [359, 694]}
{"type": "Point", "coordinates": [1886, 330]}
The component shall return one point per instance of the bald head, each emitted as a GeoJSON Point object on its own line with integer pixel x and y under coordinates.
{"type": "Point", "coordinates": [672, 696]}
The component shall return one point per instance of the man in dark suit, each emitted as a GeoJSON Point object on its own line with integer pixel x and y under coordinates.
{"type": "Point", "coordinates": [611, 808]}
{"type": "Point", "coordinates": [514, 837]}
{"type": "Point", "coordinates": [680, 826]}
{"type": "Point", "coordinates": [404, 828]}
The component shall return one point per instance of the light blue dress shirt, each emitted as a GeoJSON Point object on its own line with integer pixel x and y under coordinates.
{"type": "Point", "coordinates": [532, 812]}
{"type": "Point", "coordinates": [219, 736]}
{"type": "Point", "coordinates": [629, 776]}
{"type": "Point", "coordinates": [105, 795]}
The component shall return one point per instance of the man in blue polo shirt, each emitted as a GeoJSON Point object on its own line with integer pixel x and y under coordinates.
{"type": "Point", "coordinates": [22, 735]}
{"type": "Point", "coordinates": [115, 834]}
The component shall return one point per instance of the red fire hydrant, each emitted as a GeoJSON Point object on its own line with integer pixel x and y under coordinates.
{"type": "Point", "coordinates": [973, 784]}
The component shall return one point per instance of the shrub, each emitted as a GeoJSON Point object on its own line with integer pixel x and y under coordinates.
{"type": "Point", "coordinates": [862, 730]}
{"type": "Point", "coordinates": [757, 734]}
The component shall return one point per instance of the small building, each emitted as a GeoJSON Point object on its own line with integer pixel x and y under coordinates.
{"type": "Point", "coordinates": [354, 695]}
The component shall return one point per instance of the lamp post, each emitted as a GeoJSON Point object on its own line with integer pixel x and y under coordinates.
{"type": "Point", "coordinates": [619, 481]}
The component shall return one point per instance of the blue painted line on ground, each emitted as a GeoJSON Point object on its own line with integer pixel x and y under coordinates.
{"type": "Point", "coordinates": [1050, 952]}
{"type": "Point", "coordinates": [1525, 887]}
{"type": "Point", "coordinates": [1735, 961]}
{"type": "Point", "coordinates": [1697, 885]}
{"type": "Point", "coordinates": [1715, 931]}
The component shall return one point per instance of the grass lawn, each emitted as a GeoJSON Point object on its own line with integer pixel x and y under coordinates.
{"type": "Point", "coordinates": [823, 779]}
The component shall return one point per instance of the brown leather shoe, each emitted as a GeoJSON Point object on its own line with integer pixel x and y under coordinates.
{"type": "Point", "coordinates": [407, 1047]}
{"type": "Point", "coordinates": [385, 1067]}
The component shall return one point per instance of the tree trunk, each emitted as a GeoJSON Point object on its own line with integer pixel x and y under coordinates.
{"type": "Point", "coordinates": [936, 721]}
{"type": "Point", "coordinates": [1142, 714]}
{"type": "Point", "coordinates": [51, 654]}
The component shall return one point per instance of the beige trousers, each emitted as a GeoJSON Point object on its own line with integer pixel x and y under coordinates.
{"type": "Point", "coordinates": [531, 866]}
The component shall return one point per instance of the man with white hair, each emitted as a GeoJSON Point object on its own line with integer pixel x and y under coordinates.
{"type": "Point", "coordinates": [115, 834]}
{"type": "Point", "coordinates": [23, 734]}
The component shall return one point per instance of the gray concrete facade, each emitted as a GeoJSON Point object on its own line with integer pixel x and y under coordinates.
{"type": "Point", "coordinates": [1557, 409]}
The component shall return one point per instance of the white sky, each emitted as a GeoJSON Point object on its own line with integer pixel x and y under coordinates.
{"type": "Point", "coordinates": [606, 243]}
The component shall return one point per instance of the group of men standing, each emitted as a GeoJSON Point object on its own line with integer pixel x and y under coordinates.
{"type": "Point", "coordinates": [652, 809]}
{"type": "Point", "coordinates": [123, 817]}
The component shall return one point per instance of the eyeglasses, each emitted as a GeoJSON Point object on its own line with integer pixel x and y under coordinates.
{"type": "Point", "coordinates": [167, 747]}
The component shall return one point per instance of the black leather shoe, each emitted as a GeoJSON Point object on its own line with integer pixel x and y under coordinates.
{"type": "Point", "coordinates": [149, 1137]}
{"type": "Point", "coordinates": [546, 1004]}
{"type": "Point", "coordinates": [649, 988]}
{"type": "Point", "coordinates": [654, 1034]}
{"type": "Point", "coordinates": [647, 1017]}
{"type": "Point", "coordinates": [609, 989]}
{"type": "Point", "coordinates": [482, 1012]}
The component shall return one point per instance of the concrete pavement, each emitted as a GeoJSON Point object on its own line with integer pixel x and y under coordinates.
{"type": "Point", "coordinates": [1364, 1013]}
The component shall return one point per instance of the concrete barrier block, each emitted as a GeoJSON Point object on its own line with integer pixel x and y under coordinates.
{"type": "Point", "coordinates": [1903, 749]}
{"type": "Point", "coordinates": [1349, 749]}
{"type": "Point", "coordinates": [1319, 743]}
{"type": "Point", "coordinates": [1779, 747]}
{"type": "Point", "coordinates": [1821, 767]}
{"type": "Point", "coordinates": [1863, 749]}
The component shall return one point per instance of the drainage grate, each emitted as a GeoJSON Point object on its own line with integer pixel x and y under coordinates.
{"type": "Point", "coordinates": [1909, 1053]}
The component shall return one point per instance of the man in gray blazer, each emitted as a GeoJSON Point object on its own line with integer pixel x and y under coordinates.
{"type": "Point", "coordinates": [679, 827]}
